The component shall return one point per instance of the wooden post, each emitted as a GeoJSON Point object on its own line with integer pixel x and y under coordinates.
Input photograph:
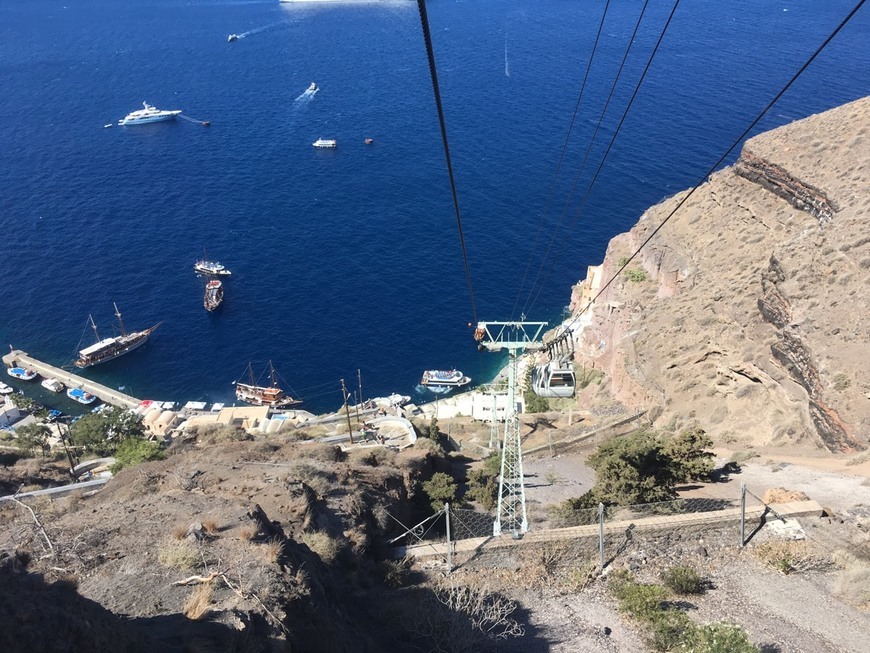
{"type": "Point", "coordinates": [347, 411]}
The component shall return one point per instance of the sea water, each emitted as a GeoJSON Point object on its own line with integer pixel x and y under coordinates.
{"type": "Point", "coordinates": [349, 259]}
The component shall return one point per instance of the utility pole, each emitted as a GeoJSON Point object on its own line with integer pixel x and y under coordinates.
{"type": "Point", "coordinates": [515, 337]}
{"type": "Point", "coordinates": [347, 411]}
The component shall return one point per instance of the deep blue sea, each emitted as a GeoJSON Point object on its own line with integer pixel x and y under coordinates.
{"type": "Point", "coordinates": [350, 259]}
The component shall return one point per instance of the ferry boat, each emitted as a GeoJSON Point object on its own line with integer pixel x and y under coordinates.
{"type": "Point", "coordinates": [148, 114]}
{"type": "Point", "coordinates": [53, 384]}
{"type": "Point", "coordinates": [232, 37]}
{"type": "Point", "coordinates": [79, 395]}
{"type": "Point", "coordinates": [211, 268]}
{"type": "Point", "coordinates": [444, 379]}
{"type": "Point", "coordinates": [21, 373]}
{"type": "Point", "coordinates": [214, 295]}
{"type": "Point", "coordinates": [312, 88]}
{"type": "Point", "coordinates": [260, 395]}
{"type": "Point", "coordinates": [325, 143]}
{"type": "Point", "coordinates": [6, 389]}
{"type": "Point", "coordinates": [107, 349]}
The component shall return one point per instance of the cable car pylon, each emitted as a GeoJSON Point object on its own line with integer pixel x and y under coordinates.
{"type": "Point", "coordinates": [515, 338]}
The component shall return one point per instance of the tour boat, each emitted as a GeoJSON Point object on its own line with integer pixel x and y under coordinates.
{"type": "Point", "coordinates": [21, 373]}
{"type": "Point", "coordinates": [444, 379]}
{"type": "Point", "coordinates": [232, 37]}
{"type": "Point", "coordinates": [325, 143]}
{"type": "Point", "coordinates": [214, 295]}
{"type": "Point", "coordinates": [79, 395]}
{"type": "Point", "coordinates": [261, 395]}
{"type": "Point", "coordinates": [53, 384]}
{"type": "Point", "coordinates": [148, 114]}
{"type": "Point", "coordinates": [211, 268]}
{"type": "Point", "coordinates": [111, 348]}
{"type": "Point", "coordinates": [6, 389]}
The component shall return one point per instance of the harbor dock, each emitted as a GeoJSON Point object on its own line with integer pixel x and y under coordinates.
{"type": "Point", "coordinates": [18, 358]}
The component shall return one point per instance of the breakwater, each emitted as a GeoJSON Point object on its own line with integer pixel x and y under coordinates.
{"type": "Point", "coordinates": [18, 358]}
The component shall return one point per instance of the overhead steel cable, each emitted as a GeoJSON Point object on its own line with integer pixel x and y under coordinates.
{"type": "Point", "coordinates": [433, 73]}
{"type": "Point", "coordinates": [588, 150]}
{"type": "Point", "coordinates": [531, 300]}
{"type": "Point", "coordinates": [561, 157]}
{"type": "Point", "coordinates": [722, 158]}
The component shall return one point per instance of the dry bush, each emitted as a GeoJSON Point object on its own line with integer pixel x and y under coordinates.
{"type": "Point", "coordinates": [196, 606]}
{"type": "Point", "coordinates": [180, 555]}
{"type": "Point", "coordinates": [579, 578]}
{"type": "Point", "coordinates": [319, 480]}
{"type": "Point", "coordinates": [853, 585]}
{"type": "Point", "coordinates": [359, 540]}
{"type": "Point", "coordinates": [320, 543]}
{"type": "Point", "coordinates": [273, 549]}
{"type": "Point", "coordinates": [790, 556]}
{"type": "Point", "coordinates": [327, 453]}
{"type": "Point", "coordinates": [210, 526]}
{"type": "Point", "coordinates": [248, 532]}
{"type": "Point", "coordinates": [373, 457]}
{"type": "Point", "coordinates": [429, 446]}
{"type": "Point", "coordinates": [781, 495]}
{"type": "Point", "coordinates": [179, 532]}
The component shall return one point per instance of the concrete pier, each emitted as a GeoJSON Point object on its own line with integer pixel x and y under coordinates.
{"type": "Point", "coordinates": [18, 358]}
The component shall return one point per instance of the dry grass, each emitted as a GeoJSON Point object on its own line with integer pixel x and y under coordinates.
{"type": "Point", "coordinates": [179, 532]}
{"type": "Point", "coordinates": [248, 532]}
{"type": "Point", "coordinates": [196, 607]}
{"type": "Point", "coordinates": [853, 585]}
{"type": "Point", "coordinates": [272, 550]}
{"type": "Point", "coordinates": [211, 526]}
{"type": "Point", "coordinates": [180, 555]}
{"type": "Point", "coordinates": [790, 556]}
{"type": "Point", "coordinates": [321, 544]}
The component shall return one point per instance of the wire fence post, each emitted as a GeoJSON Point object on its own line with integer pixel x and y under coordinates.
{"type": "Point", "coordinates": [742, 515]}
{"type": "Point", "coordinates": [601, 534]}
{"type": "Point", "coordinates": [449, 541]}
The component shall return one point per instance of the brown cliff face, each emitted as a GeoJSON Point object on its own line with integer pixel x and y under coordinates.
{"type": "Point", "coordinates": [752, 317]}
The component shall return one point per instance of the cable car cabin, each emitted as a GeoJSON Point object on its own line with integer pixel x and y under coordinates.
{"type": "Point", "coordinates": [553, 380]}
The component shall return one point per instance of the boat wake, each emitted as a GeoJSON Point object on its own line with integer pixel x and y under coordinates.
{"type": "Point", "coordinates": [260, 30]}
{"type": "Point", "coordinates": [306, 97]}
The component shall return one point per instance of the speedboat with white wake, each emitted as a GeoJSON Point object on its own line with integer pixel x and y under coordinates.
{"type": "Point", "coordinates": [442, 380]}
{"type": "Point", "coordinates": [312, 88]}
{"type": "Point", "coordinates": [149, 114]}
{"type": "Point", "coordinates": [232, 37]}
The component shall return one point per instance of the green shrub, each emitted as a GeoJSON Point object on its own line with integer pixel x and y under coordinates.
{"type": "Point", "coordinates": [683, 580]}
{"type": "Point", "coordinates": [578, 511]}
{"type": "Point", "coordinates": [717, 638]}
{"type": "Point", "coordinates": [635, 275]}
{"type": "Point", "coordinates": [134, 451]}
{"type": "Point", "coordinates": [623, 261]}
{"type": "Point", "coordinates": [440, 489]}
{"type": "Point", "coordinates": [643, 602]}
{"type": "Point", "coordinates": [668, 629]}
{"type": "Point", "coordinates": [483, 488]}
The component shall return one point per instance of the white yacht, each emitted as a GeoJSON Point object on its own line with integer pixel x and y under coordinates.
{"type": "Point", "coordinates": [54, 385]}
{"type": "Point", "coordinates": [148, 114]}
{"type": "Point", "coordinates": [325, 143]}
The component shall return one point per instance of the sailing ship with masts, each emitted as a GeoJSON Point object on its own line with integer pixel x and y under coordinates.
{"type": "Point", "coordinates": [263, 395]}
{"type": "Point", "coordinates": [107, 349]}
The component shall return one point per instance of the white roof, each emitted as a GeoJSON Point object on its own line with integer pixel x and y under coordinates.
{"type": "Point", "coordinates": [195, 405]}
{"type": "Point", "coordinates": [217, 407]}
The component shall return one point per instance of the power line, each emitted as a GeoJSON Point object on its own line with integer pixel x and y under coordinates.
{"type": "Point", "coordinates": [562, 156]}
{"type": "Point", "coordinates": [531, 300]}
{"type": "Point", "coordinates": [433, 73]}
{"type": "Point", "coordinates": [722, 158]}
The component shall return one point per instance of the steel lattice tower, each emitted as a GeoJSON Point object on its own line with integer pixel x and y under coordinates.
{"type": "Point", "coordinates": [515, 337]}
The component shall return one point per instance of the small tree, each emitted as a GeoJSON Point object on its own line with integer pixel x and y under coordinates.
{"type": "Point", "coordinates": [632, 469]}
{"type": "Point", "coordinates": [690, 460]}
{"type": "Point", "coordinates": [440, 489]}
{"type": "Point", "coordinates": [101, 433]}
{"type": "Point", "coordinates": [432, 431]}
{"type": "Point", "coordinates": [32, 437]}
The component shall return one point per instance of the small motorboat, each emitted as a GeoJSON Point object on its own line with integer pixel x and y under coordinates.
{"type": "Point", "coordinates": [325, 143]}
{"type": "Point", "coordinates": [79, 395]}
{"type": "Point", "coordinates": [6, 389]}
{"type": "Point", "coordinates": [232, 37]}
{"type": "Point", "coordinates": [21, 373]}
{"type": "Point", "coordinates": [53, 384]}
{"type": "Point", "coordinates": [108, 126]}
{"type": "Point", "coordinates": [54, 415]}
{"type": "Point", "coordinates": [312, 88]}
{"type": "Point", "coordinates": [369, 141]}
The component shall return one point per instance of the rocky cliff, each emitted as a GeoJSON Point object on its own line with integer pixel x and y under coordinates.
{"type": "Point", "coordinates": [748, 312]}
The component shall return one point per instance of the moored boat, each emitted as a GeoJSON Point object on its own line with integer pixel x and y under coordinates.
{"type": "Point", "coordinates": [444, 379]}
{"type": "Point", "coordinates": [148, 114]}
{"type": "Point", "coordinates": [21, 373]}
{"type": "Point", "coordinates": [210, 268]}
{"type": "Point", "coordinates": [325, 143]}
{"type": "Point", "coordinates": [6, 389]}
{"type": "Point", "coordinates": [214, 295]}
{"type": "Point", "coordinates": [53, 384]}
{"type": "Point", "coordinates": [261, 395]}
{"type": "Point", "coordinates": [107, 349]}
{"type": "Point", "coordinates": [79, 395]}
